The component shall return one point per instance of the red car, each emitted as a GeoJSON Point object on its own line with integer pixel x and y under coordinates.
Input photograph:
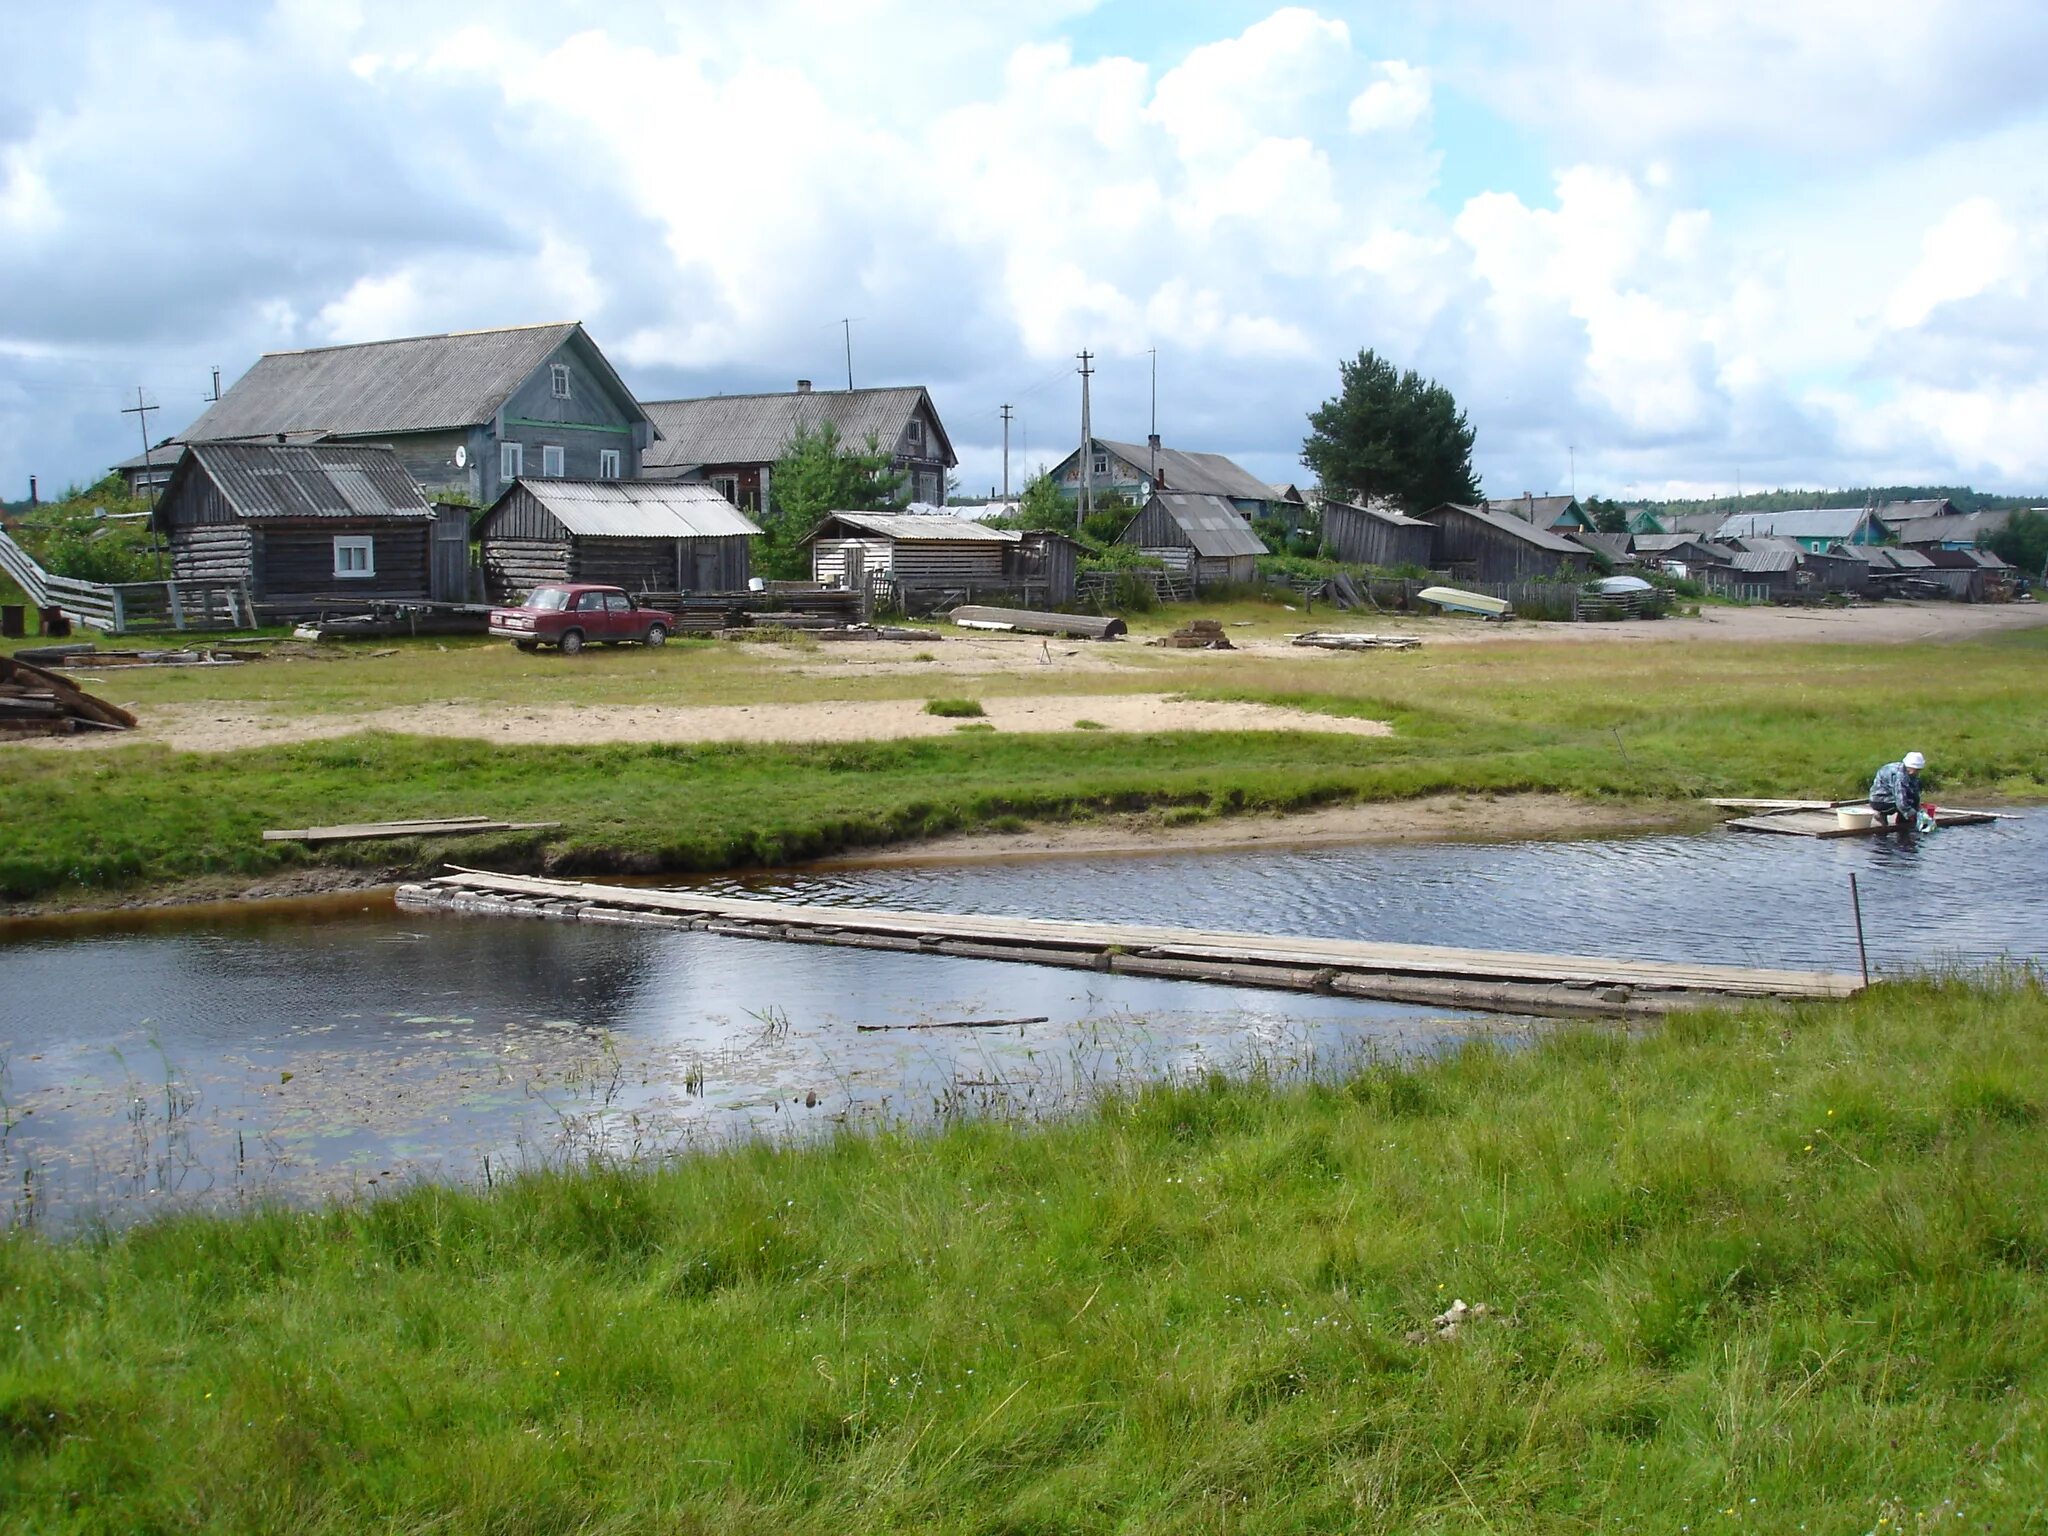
{"type": "Point", "coordinates": [571, 614]}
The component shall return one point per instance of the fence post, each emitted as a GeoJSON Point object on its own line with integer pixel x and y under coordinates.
{"type": "Point", "coordinates": [118, 610]}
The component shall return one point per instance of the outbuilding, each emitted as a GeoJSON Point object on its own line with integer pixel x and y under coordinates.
{"type": "Point", "coordinates": [1204, 536]}
{"type": "Point", "coordinates": [643, 535]}
{"type": "Point", "coordinates": [915, 550]}
{"type": "Point", "coordinates": [296, 525]}
{"type": "Point", "coordinates": [1475, 544]}
{"type": "Point", "coordinates": [1378, 535]}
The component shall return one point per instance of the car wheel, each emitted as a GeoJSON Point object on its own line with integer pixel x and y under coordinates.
{"type": "Point", "coordinates": [657, 634]}
{"type": "Point", "coordinates": [525, 645]}
{"type": "Point", "coordinates": [572, 641]}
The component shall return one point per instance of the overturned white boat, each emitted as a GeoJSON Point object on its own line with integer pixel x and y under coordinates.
{"type": "Point", "coordinates": [1451, 600]}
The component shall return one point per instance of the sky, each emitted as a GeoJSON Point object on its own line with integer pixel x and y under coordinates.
{"type": "Point", "coordinates": [1655, 248]}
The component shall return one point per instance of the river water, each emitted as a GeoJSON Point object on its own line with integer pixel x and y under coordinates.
{"type": "Point", "coordinates": [287, 1057]}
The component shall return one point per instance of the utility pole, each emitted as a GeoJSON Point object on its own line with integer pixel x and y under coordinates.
{"type": "Point", "coordinates": [1085, 505]}
{"type": "Point", "coordinates": [1152, 436]}
{"type": "Point", "coordinates": [847, 326]}
{"type": "Point", "coordinates": [140, 411]}
{"type": "Point", "coordinates": [1008, 411]}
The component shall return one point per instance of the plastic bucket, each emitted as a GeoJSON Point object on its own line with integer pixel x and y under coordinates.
{"type": "Point", "coordinates": [1855, 818]}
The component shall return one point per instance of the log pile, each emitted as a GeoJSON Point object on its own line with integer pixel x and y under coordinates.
{"type": "Point", "coordinates": [38, 703]}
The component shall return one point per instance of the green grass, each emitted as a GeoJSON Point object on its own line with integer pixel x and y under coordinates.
{"type": "Point", "coordinates": [1654, 723]}
{"type": "Point", "coordinates": [955, 709]}
{"type": "Point", "coordinates": [1773, 1270]}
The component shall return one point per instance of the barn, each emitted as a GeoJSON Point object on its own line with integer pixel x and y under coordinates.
{"type": "Point", "coordinates": [1205, 536]}
{"type": "Point", "coordinates": [1377, 535]}
{"type": "Point", "coordinates": [298, 524]}
{"type": "Point", "coordinates": [918, 551]}
{"type": "Point", "coordinates": [1475, 544]}
{"type": "Point", "coordinates": [643, 535]}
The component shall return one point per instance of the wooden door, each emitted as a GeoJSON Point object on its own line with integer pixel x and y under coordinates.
{"type": "Point", "coordinates": [448, 558]}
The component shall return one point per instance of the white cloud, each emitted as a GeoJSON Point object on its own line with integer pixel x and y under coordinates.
{"type": "Point", "coordinates": [1394, 103]}
{"type": "Point", "coordinates": [1970, 250]}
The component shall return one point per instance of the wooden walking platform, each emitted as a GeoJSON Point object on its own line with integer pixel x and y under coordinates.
{"type": "Point", "coordinates": [1502, 981]}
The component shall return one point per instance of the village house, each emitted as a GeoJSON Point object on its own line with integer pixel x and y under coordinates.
{"type": "Point", "coordinates": [1205, 537]}
{"type": "Point", "coordinates": [1135, 470]}
{"type": "Point", "coordinates": [731, 442]}
{"type": "Point", "coordinates": [1962, 531]}
{"type": "Point", "coordinates": [912, 549]}
{"type": "Point", "coordinates": [1377, 535]}
{"type": "Point", "coordinates": [467, 413]}
{"type": "Point", "coordinates": [646, 536]}
{"type": "Point", "coordinates": [1559, 514]}
{"type": "Point", "coordinates": [1474, 544]}
{"type": "Point", "coordinates": [1686, 550]}
{"type": "Point", "coordinates": [295, 525]}
{"type": "Point", "coordinates": [1809, 527]}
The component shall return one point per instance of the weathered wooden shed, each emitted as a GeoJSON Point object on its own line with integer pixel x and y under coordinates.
{"type": "Point", "coordinates": [1040, 555]}
{"type": "Point", "coordinates": [1377, 535]}
{"type": "Point", "coordinates": [1205, 536]}
{"type": "Point", "coordinates": [917, 550]}
{"type": "Point", "coordinates": [1474, 544]}
{"type": "Point", "coordinates": [295, 524]}
{"type": "Point", "coordinates": [643, 535]}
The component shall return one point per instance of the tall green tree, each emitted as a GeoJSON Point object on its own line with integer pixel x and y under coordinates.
{"type": "Point", "coordinates": [2023, 542]}
{"type": "Point", "coordinates": [1040, 504]}
{"type": "Point", "coordinates": [1391, 433]}
{"type": "Point", "coordinates": [817, 474]}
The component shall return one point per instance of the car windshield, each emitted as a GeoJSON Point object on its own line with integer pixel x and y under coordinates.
{"type": "Point", "coordinates": [548, 599]}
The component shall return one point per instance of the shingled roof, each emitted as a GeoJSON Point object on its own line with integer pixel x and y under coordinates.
{"type": "Point", "coordinates": [755, 429]}
{"type": "Point", "coordinates": [413, 384]}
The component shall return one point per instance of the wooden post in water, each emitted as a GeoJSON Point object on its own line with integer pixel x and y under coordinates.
{"type": "Point", "coordinates": [1856, 904]}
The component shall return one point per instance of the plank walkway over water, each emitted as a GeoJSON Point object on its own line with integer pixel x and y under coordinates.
{"type": "Point", "coordinates": [1801, 822]}
{"type": "Point", "coordinates": [1502, 980]}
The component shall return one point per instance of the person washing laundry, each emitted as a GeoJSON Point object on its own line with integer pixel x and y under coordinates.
{"type": "Point", "coordinates": [1895, 792]}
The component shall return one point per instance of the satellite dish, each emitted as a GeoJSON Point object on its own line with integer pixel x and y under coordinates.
{"type": "Point", "coordinates": [461, 457]}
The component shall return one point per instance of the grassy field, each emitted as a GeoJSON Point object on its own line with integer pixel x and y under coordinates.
{"type": "Point", "coordinates": [1775, 1270]}
{"type": "Point", "coordinates": [1653, 722]}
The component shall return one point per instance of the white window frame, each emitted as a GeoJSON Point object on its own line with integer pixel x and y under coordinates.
{"type": "Point", "coordinates": [558, 379]}
{"type": "Point", "coordinates": [511, 461]}
{"type": "Point", "coordinates": [553, 461]}
{"type": "Point", "coordinates": [727, 486]}
{"type": "Point", "coordinates": [913, 435]}
{"type": "Point", "coordinates": [1102, 464]}
{"type": "Point", "coordinates": [346, 547]}
{"type": "Point", "coordinates": [607, 463]}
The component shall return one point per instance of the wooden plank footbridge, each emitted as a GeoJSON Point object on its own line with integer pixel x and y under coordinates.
{"type": "Point", "coordinates": [1501, 981]}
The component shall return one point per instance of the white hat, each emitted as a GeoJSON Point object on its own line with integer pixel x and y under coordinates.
{"type": "Point", "coordinates": [1915, 761]}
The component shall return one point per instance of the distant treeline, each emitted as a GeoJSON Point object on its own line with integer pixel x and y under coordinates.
{"type": "Point", "coordinates": [1964, 498]}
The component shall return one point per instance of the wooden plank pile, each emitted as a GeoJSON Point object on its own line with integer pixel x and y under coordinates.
{"type": "Point", "coordinates": [374, 831]}
{"type": "Point", "coordinates": [1337, 640]}
{"type": "Point", "coordinates": [1197, 635]}
{"type": "Point", "coordinates": [38, 703]}
{"type": "Point", "coordinates": [72, 657]}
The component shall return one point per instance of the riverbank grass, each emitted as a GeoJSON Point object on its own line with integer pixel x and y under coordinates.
{"type": "Point", "coordinates": [1769, 1270]}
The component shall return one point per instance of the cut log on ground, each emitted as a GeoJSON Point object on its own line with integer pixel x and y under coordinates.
{"type": "Point", "coordinates": [370, 831]}
{"type": "Point", "coordinates": [1336, 641]}
{"type": "Point", "coordinates": [1075, 626]}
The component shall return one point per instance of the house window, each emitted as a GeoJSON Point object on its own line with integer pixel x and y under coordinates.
{"type": "Point", "coordinates": [558, 375]}
{"type": "Point", "coordinates": [913, 438]}
{"type": "Point", "coordinates": [511, 461]}
{"type": "Point", "coordinates": [727, 486]}
{"type": "Point", "coordinates": [355, 555]}
{"type": "Point", "coordinates": [1102, 464]}
{"type": "Point", "coordinates": [607, 463]}
{"type": "Point", "coordinates": [551, 461]}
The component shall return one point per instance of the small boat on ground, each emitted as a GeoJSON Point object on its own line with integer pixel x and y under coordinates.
{"type": "Point", "coordinates": [1451, 600]}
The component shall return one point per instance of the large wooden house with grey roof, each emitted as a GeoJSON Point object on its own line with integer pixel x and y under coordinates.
{"type": "Point", "coordinates": [1475, 544]}
{"type": "Point", "coordinates": [1135, 470]}
{"type": "Point", "coordinates": [732, 441]}
{"type": "Point", "coordinates": [296, 526]}
{"type": "Point", "coordinates": [467, 413]}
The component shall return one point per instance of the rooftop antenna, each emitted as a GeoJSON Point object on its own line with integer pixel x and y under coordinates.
{"type": "Point", "coordinates": [140, 411]}
{"type": "Point", "coordinates": [210, 399]}
{"type": "Point", "coordinates": [847, 326]}
{"type": "Point", "coordinates": [1572, 450]}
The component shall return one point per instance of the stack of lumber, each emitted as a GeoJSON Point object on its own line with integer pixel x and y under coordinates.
{"type": "Point", "coordinates": [373, 831]}
{"type": "Point", "coordinates": [1335, 640]}
{"type": "Point", "coordinates": [38, 703]}
{"type": "Point", "coordinates": [1197, 635]}
{"type": "Point", "coordinates": [75, 656]}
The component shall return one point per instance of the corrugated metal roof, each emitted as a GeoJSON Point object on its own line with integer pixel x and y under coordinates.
{"type": "Point", "coordinates": [1543, 511]}
{"type": "Point", "coordinates": [414, 384]}
{"type": "Point", "coordinates": [1661, 543]}
{"type": "Point", "coordinates": [1528, 533]}
{"type": "Point", "coordinates": [1800, 523]}
{"type": "Point", "coordinates": [1766, 560]}
{"type": "Point", "coordinates": [1202, 474]}
{"type": "Point", "coordinates": [1215, 528]}
{"type": "Point", "coordinates": [919, 528]}
{"type": "Point", "coordinates": [639, 509]}
{"type": "Point", "coordinates": [1966, 529]}
{"type": "Point", "coordinates": [1385, 514]}
{"type": "Point", "coordinates": [1909, 560]}
{"type": "Point", "coordinates": [754, 429]}
{"type": "Point", "coordinates": [275, 480]}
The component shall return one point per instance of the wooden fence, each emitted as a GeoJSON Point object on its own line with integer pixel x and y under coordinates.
{"type": "Point", "coordinates": [125, 607]}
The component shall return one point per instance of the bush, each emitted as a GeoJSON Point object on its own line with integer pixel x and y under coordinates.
{"type": "Point", "coordinates": [954, 709]}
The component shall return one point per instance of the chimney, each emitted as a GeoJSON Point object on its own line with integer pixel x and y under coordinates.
{"type": "Point", "coordinates": [32, 491]}
{"type": "Point", "coordinates": [803, 386]}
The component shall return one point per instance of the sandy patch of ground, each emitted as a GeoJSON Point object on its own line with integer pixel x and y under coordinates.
{"type": "Point", "coordinates": [213, 728]}
{"type": "Point", "coordinates": [1436, 818]}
